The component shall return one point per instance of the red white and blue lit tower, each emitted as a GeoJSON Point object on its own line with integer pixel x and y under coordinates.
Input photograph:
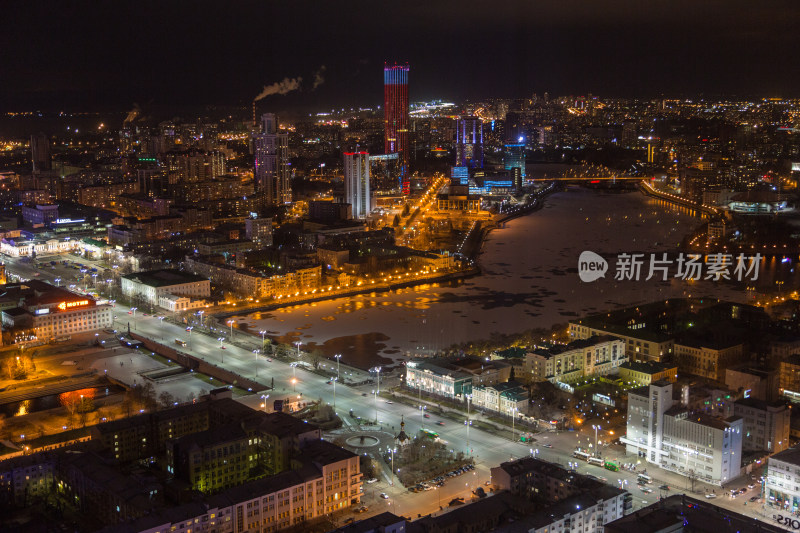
{"type": "Point", "coordinates": [395, 117]}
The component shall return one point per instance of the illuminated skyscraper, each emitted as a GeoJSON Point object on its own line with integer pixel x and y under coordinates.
{"type": "Point", "coordinates": [395, 117]}
{"type": "Point", "coordinates": [469, 142]}
{"type": "Point", "coordinates": [514, 157]}
{"type": "Point", "coordinates": [272, 174]}
{"type": "Point", "coordinates": [356, 183]}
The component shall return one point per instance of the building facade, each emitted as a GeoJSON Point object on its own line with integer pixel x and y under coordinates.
{"type": "Point", "coordinates": [437, 379]}
{"type": "Point", "coordinates": [692, 444]}
{"type": "Point", "coordinates": [508, 398]}
{"type": "Point", "coordinates": [356, 183]}
{"type": "Point", "coordinates": [395, 118]}
{"type": "Point", "coordinates": [577, 361]}
{"type": "Point", "coordinates": [272, 172]}
{"type": "Point", "coordinates": [150, 286]}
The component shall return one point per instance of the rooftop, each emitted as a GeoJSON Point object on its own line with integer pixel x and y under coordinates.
{"type": "Point", "coordinates": [650, 368]}
{"type": "Point", "coordinates": [164, 277]}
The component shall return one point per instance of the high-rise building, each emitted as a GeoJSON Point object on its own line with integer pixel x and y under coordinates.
{"type": "Point", "coordinates": [40, 152]}
{"type": "Point", "coordinates": [395, 118]}
{"type": "Point", "coordinates": [469, 142]}
{"type": "Point", "coordinates": [272, 162]}
{"type": "Point", "coordinates": [514, 157]}
{"type": "Point", "coordinates": [356, 183]}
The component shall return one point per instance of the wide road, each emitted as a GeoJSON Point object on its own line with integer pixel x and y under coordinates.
{"type": "Point", "coordinates": [487, 449]}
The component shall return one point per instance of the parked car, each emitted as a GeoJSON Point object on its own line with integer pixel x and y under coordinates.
{"type": "Point", "coordinates": [384, 496]}
{"type": "Point", "coordinates": [711, 495]}
{"type": "Point", "coordinates": [547, 445]}
{"type": "Point", "coordinates": [439, 423]}
{"type": "Point", "coordinates": [372, 480]}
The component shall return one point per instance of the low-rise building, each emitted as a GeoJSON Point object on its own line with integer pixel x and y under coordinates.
{"type": "Point", "coordinates": [782, 483]}
{"type": "Point", "coordinates": [754, 382]}
{"type": "Point", "coordinates": [638, 374]}
{"type": "Point", "coordinates": [50, 312]}
{"type": "Point", "coordinates": [766, 425]}
{"type": "Point", "coordinates": [707, 359]}
{"type": "Point", "coordinates": [577, 361]}
{"type": "Point", "coordinates": [438, 377]}
{"type": "Point", "coordinates": [693, 444]}
{"type": "Point", "coordinates": [509, 398]}
{"type": "Point", "coordinates": [789, 377]}
{"type": "Point", "coordinates": [150, 286]}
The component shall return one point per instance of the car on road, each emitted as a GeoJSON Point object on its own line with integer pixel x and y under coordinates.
{"type": "Point", "coordinates": [742, 490]}
{"type": "Point", "coordinates": [363, 394]}
{"type": "Point", "coordinates": [328, 382]}
{"type": "Point", "coordinates": [647, 490]}
{"type": "Point", "coordinates": [754, 499]}
{"type": "Point", "coordinates": [711, 495]}
{"type": "Point", "coordinates": [751, 486]}
{"type": "Point", "coordinates": [547, 445]}
{"type": "Point", "coordinates": [222, 347]}
{"type": "Point", "coordinates": [390, 403]}
{"type": "Point", "coordinates": [362, 509]}
{"type": "Point", "coordinates": [426, 415]}
{"type": "Point", "coordinates": [384, 496]}
{"type": "Point", "coordinates": [372, 480]}
{"type": "Point", "coordinates": [664, 487]}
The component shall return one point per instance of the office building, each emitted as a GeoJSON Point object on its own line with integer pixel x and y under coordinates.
{"type": "Point", "coordinates": [150, 286]}
{"type": "Point", "coordinates": [469, 142]}
{"type": "Point", "coordinates": [193, 166]}
{"type": "Point", "coordinates": [395, 118]}
{"type": "Point", "coordinates": [766, 425]}
{"type": "Point", "coordinates": [459, 175]}
{"type": "Point", "coordinates": [750, 381]}
{"type": "Point", "coordinates": [40, 153]}
{"type": "Point", "coordinates": [39, 215]}
{"type": "Point", "coordinates": [514, 157]}
{"type": "Point", "coordinates": [356, 183]}
{"type": "Point", "coordinates": [272, 172]}
{"type": "Point", "coordinates": [782, 483]}
{"type": "Point", "coordinates": [693, 444]}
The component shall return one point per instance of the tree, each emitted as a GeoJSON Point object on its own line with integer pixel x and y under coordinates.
{"type": "Point", "coordinates": [166, 399]}
{"type": "Point", "coordinates": [314, 357]}
{"type": "Point", "coordinates": [396, 221]}
{"type": "Point", "coordinates": [406, 210]}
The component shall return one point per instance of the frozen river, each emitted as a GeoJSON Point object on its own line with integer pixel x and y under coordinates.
{"type": "Point", "coordinates": [529, 280]}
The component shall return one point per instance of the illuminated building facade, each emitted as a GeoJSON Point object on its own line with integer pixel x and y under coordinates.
{"type": "Point", "coordinates": [395, 117]}
{"type": "Point", "coordinates": [272, 174]}
{"type": "Point", "coordinates": [152, 285]}
{"type": "Point", "coordinates": [469, 142]}
{"type": "Point", "coordinates": [50, 312]}
{"type": "Point", "coordinates": [514, 157]}
{"type": "Point", "coordinates": [356, 183]}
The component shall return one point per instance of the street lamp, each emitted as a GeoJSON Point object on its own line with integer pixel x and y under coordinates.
{"type": "Point", "coordinates": [294, 376]}
{"type": "Point", "coordinates": [200, 314]}
{"type": "Point", "coordinates": [334, 380]}
{"type": "Point", "coordinates": [595, 439]}
{"type": "Point", "coordinates": [468, 422]}
{"type": "Point", "coordinates": [376, 405]}
{"type": "Point", "coordinates": [391, 479]}
{"type": "Point", "coordinates": [264, 405]}
{"type": "Point", "coordinates": [255, 354]}
{"type": "Point", "coordinates": [189, 329]}
{"type": "Point", "coordinates": [134, 316]}
{"type": "Point", "coordinates": [513, 419]}
{"type": "Point", "coordinates": [263, 332]}
{"type": "Point", "coordinates": [377, 370]}
{"type": "Point", "coordinates": [338, 356]}
{"type": "Point", "coordinates": [222, 347]}
{"type": "Point", "coordinates": [298, 343]}
{"type": "Point", "coordinates": [230, 322]}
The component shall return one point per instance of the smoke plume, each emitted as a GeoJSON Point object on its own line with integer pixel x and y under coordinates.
{"type": "Point", "coordinates": [133, 114]}
{"type": "Point", "coordinates": [282, 87]}
{"type": "Point", "coordinates": [319, 79]}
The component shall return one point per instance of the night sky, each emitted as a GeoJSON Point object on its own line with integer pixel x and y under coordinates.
{"type": "Point", "coordinates": [111, 54]}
